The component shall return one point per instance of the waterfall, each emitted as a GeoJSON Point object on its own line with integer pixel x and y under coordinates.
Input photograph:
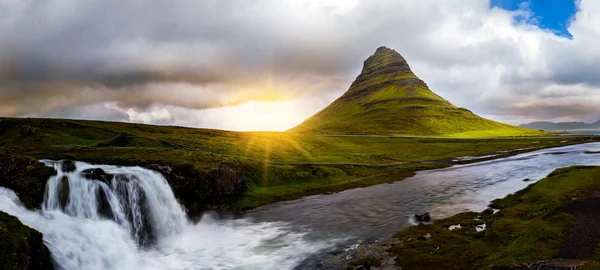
{"type": "Point", "coordinates": [137, 199]}
{"type": "Point", "coordinates": [111, 217]}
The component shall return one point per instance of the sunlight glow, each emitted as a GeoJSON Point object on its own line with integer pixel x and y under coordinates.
{"type": "Point", "coordinates": [264, 116]}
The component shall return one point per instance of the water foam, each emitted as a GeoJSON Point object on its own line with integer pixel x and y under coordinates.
{"type": "Point", "coordinates": [146, 228]}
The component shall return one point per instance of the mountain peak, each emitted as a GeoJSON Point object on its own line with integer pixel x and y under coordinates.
{"type": "Point", "coordinates": [388, 98]}
{"type": "Point", "coordinates": [385, 60]}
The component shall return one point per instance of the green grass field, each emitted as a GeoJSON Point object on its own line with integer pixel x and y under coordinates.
{"type": "Point", "coordinates": [280, 165]}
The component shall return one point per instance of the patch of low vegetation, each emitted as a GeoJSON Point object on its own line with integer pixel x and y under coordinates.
{"type": "Point", "coordinates": [21, 246]}
{"type": "Point", "coordinates": [277, 165]}
{"type": "Point", "coordinates": [534, 224]}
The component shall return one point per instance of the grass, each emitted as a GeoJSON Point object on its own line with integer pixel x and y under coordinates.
{"type": "Point", "coordinates": [280, 166]}
{"type": "Point", "coordinates": [387, 98]}
{"type": "Point", "coordinates": [528, 228]}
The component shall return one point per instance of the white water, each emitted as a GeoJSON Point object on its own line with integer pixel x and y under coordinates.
{"type": "Point", "coordinates": [148, 229]}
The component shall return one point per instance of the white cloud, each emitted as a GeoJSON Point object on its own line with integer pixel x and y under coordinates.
{"type": "Point", "coordinates": [168, 61]}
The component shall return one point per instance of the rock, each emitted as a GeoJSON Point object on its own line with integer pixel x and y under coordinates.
{"type": "Point", "coordinates": [27, 177]}
{"type": "Point", "coordinates": [423, 217]}
{"type": "Point", "coordinates": [197, 190]}
{"type": "Point", "coordinates": [27, 130]}
{"type": "Point", "coordinates": [526, 180]}
{"type": "Point", "coordinates": [97, 174]}
{"type": "Point", "coordinates": [22, 247]}
{"type": "Point", "coordinates": [424, 237]}
{"type": "Point", "coordinates": [63, 190]}
{"type": "Point", "coordinates": [104, 208]}
{"type": "Point", "coordinates": [68, 166]}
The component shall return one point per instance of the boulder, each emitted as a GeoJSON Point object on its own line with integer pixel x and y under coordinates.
{"type": "Point", "coordinates": [27, 177]}
{"type": "Point", "coordinates": [97, 174]}
{"type": "Point", "coordinates": [22, 247]}
{"type": "Point", "coordinates": [423, 217]}
{"type": "Point", "coordinates": [68, 166]}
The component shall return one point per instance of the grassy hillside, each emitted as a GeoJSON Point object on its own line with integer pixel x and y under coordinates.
{"type": "Point", "coordinates": [388, 98]}
{"type": "Point", "coordinates": [279, 166]}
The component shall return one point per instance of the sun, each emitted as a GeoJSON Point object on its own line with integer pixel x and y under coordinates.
{"type": "Point", "coordinates": [265, 116]}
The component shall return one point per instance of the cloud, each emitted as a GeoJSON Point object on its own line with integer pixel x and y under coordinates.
{"type": "Point", "coordinates": [152, 61]}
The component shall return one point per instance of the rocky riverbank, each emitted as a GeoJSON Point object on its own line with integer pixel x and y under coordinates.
{"type": "Point", "coordinates": [552, 223]}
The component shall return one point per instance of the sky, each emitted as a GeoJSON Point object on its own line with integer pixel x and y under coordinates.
{"type": "Point", "coordinates": [270, 64]}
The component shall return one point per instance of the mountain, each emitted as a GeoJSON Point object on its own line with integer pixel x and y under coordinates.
{"type": "Point", "coordinates": [546, 125]}
{"type": "Point", "coordinates": [387, 98]}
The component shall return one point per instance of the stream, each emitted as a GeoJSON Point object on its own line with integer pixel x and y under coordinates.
{"type": "Point", "coordinates": [135, 222]}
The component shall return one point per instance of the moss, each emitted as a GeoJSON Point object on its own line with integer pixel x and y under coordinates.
{"type": "Point", "coordinates": [22, 247]}
{"type": "Point", "coordinates": [529, 227]}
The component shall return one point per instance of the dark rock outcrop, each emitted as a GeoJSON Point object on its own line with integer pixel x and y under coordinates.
{"type": "Point", "coordinates": [104, 209]}
{"type": "Point", "coordinates": [97, 174]}
{"type": "Point", "coordinates": [22, 247]}
{"type": "Point", "coordinates": [63, 190]}
{"type": "Point", "coordinates": [197, 190]}
{"type": "Point", "coordinates": [27, 177]}
{"type": "Point", "coordinates": [68, 166]}
{"type": "Point", "coordinates": [423, 217]}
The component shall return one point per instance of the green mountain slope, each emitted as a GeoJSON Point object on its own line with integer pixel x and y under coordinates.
{"type": "Point", "coordinates": [388, 98]}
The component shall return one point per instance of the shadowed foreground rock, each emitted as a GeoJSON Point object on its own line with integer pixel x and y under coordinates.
{"type": "Point", "coordinates": [27, 177]}
{"type": "Point", "coordinates": [22, 247]}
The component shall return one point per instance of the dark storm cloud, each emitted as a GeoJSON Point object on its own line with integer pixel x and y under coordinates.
{"type": "Point", "coordinates": [200, 54]}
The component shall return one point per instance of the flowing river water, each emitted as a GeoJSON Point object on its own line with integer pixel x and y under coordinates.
{"type": "Point", "coordinates": [135, 222]}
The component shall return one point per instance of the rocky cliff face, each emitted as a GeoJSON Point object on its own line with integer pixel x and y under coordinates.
{"type": "Point", "coordinates": [22, 247]}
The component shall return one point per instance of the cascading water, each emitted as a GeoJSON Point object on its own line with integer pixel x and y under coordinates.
{"type": "Point", "coordinates": [137, 199]}
{"type": "Point", "coordinates": [130, 219]}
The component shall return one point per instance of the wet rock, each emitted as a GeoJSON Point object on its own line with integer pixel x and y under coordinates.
{"type": "Point", "coordinates": [68, 166]}
{"type": "Point", "coordinates": [97, 174]}
{"type": "Point", "coordinates": [104, 209]}
{"type": "Point", "coordinates": [526, 180]}
{"type": "Point", "coordinates": [197, 190]}
{"type": "Point", "coordinates": [63, 190]}
{"type": "Point", "coordinates": [22, 247]}
{"type": "Point", "coordinates": [27, 177]}
{"type": "Point", "coordinates": [423, 217]}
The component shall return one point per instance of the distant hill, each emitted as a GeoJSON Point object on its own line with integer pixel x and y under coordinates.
{"type": "Point", "coordinates": [388, 98]}
{"type": "Point", "coordinates": [546, 125]}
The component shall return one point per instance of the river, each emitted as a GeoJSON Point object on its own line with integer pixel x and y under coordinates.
{"type": "Point", "coordinates": [147, 229]}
